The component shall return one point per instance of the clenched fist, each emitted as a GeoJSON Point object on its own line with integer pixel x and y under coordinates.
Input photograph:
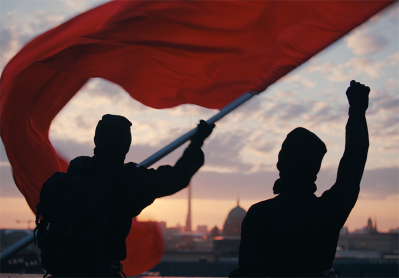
{"type": "Point", "coordinates": [358, 97]}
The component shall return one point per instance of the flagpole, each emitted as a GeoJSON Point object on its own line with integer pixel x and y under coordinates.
{"type": "Point", "coordinates": [149, 161]}
{"type": "Point", "coordinates": [183, 139]}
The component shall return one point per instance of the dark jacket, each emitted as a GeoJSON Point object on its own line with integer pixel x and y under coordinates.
{"type": "Point", "coordinates": [296, 233]}
{"type": "Point", "coordinates": [136, 188]}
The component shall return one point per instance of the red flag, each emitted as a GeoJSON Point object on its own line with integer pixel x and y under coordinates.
{"type": "Point", "coordinates": [144, 245]}
{"type": "Point", "coordinates": [163, 53]}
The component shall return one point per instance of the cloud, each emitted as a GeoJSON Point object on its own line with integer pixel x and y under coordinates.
{"type": "Point", "coordinates": [223, 151]}
{"type": "Point", "coordinates": [393, 59]}
{"type": "Point", "coordinates": [77, 6]}
{"type": "Point", "coordinates": [191, 110]}
{"type": "Point", "coordinates": [326, 113]}
{"type": "Point", "coordinates": [376, 183]}
{"type": "Point", "coordinates": [285, 93]}
{"type": "Point", "coordinates": [17, 29]}
{"type": "Point", "coordinates": [354, 68]}
{"type": "Point", "coordinates": [381, 101]}
{"type": "Point", "coordinates": [302, 82]}
{"type": "Point", "coordinates": [359, 65]}
{"type": "Point", "coordinates": [335, 72]}
{"type": "Point", "coordinates": [286, 110]}
{"type": "Point", "coordinates": [362, 43]}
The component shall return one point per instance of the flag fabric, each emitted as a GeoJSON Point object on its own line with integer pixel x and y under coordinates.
{"type": "Point", "coordinates": [163, 53]}
{"type": "Point", "coordinates": [144, 246]}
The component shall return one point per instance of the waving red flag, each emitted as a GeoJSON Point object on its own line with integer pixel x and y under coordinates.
{"type": "Point", "coordinates": [163, 53]}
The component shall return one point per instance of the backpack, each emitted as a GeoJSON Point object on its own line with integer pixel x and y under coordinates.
{"type": "Point", "coordinates": [72, 233]}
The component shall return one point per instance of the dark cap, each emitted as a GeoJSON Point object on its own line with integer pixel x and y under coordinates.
{"type": "Point", "coordinates": [300, 157]}
{"type": "Point", "coordinates": [112, 137]}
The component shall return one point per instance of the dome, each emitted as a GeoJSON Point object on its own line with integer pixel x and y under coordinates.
{"type": "Point", "coordinates": [232, 225]}
{"type": "Point", "coordinates": [237, 213]}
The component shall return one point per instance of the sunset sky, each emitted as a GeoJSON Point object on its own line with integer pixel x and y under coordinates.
{"type": "Point", "coordinates": [241, 154]}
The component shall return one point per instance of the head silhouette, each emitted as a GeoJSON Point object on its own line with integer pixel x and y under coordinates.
{"type": "Point", "coordinates": [112, 138]}
{"type": "Point", "coordinates": [299, 161]}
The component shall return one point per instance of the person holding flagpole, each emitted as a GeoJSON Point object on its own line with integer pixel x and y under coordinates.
{"type": "Point", "coordinates": [88, 211]}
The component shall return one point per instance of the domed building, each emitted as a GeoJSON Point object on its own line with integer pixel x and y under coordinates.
{"type": "Point", "coordinates": [232, 225]}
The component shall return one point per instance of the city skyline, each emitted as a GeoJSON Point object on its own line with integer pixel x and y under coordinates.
{"type": "Point", "coordinates": [241, 154]}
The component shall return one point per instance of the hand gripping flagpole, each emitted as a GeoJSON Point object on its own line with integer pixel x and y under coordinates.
{"type": "Point", "coordinates": [183, 139]}
{"type": "Point", "coordinates": [149, 161]}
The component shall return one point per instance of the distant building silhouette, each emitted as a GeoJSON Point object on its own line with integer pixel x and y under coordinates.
{"type": "Point", "coordinates": [370, 228]}
{"type": "Point", "coordinates": [368, 238]}
{"type": "Point", "coordinates": [232, 225]}
{"type": "Point", "coordinates": [215, 232]}
{"type": "Point", "coordinates": [188, 221]}
{"type": "Point", "coordinates": [202, 229]}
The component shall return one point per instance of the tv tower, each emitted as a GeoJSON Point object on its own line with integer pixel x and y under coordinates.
{"type": "Point", "coordinates": [188, 221]}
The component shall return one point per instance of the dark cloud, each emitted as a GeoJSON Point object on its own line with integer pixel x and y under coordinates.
{"type": "Point", "coordinates": [328, 114]}
{"type": "Point", "coordinates": [286, 110]}
{"type": "Point", "coordinates": [113, 92]}
{"type": "Point", "coordinates": [383, 102]}
{"type": "Point", "coordinates": [223, 151]}
{"type": "Point", "coordinates": [81, 122]}
{"type": "Point", "coordinates": [292, 111]}
{"type": "Point", "coordinates": [378, 183]}
{"type": "Point", "coordinates": [249, 107]}
{"type": "Point", "coordinates": [385, 126]}
{"type": "Point", "coordinates": [265, 147]}
{"type": "Point", "coordinates": [223, 186]}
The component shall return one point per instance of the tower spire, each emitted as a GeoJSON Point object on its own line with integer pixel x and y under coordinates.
{"type": "Point", "coordinates": [238, 200]}
{"type": "Point", "coordinates": [188, 220]}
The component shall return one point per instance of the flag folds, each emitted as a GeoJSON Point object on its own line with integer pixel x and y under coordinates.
{"type": "Point", "coordinates": [163, 53]}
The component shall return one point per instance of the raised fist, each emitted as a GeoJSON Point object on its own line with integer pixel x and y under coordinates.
{"type": "Point", "coordinates": [358, 97]}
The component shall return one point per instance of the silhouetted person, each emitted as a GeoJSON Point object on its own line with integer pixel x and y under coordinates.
{"type": "Point", "coordinates": [143, 186]}
{"type": "Point", "coordinates": [296, 233]}
{"type": "Point", "coordinates": [131, 190]}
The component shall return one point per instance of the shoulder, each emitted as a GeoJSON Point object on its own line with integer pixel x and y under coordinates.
{"type": "Point", "coordinates": [259, 207]}
{"type": "Point", "coordinates": [131, 169]}
{"type": "Point", "coordinates": [130, 166]}
{"type": "Point", "coordinates": [78, 162]}
{"type": "Point", "coordinates": [79, 159]}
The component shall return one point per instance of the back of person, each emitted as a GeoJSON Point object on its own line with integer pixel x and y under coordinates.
{"type": "Point", "coordinates": [119, 205]}
{"type": "Point", "coordinates": [124, 190]}
{"type": "Point", "coordinates": [295, 234]}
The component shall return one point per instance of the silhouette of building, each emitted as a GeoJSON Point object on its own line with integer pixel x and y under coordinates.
{"type": "Point", "coordinates": [202, 229]}
{"type": "Point", "coordinates": [215, 232]}
{"type": "Point", "coordinates": [226, 247]}
{"type": "Point", "coordinates": [232, 225]}
{"type": "Point", "coordinates": [188, 221]}
{"type": "Point", "coordinates": [369, 238]}
{"type": "Point", "coordinates": [370, 228]}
